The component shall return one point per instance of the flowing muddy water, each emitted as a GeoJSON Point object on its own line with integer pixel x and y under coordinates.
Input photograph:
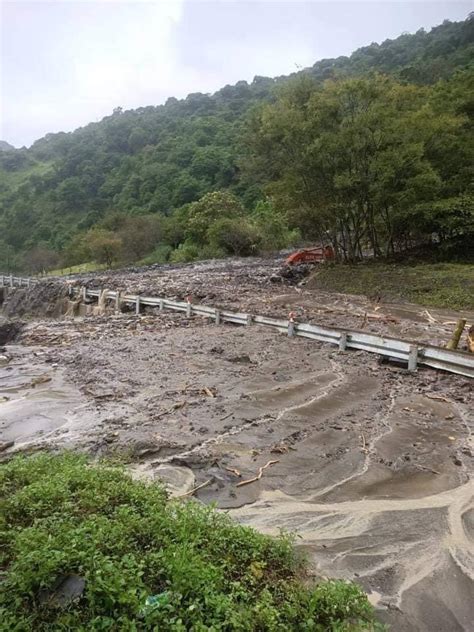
{"type": "Point", "coordinates": [373, 465]}
{"type": "Point", "coordinates": [35, 399]}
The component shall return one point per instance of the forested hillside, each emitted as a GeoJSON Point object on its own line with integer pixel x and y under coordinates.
{"type": "Point", "coordinates": [370, 151]}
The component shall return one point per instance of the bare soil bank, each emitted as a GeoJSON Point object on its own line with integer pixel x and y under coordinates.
{"type": "Point", "coordinates": [373, 465]}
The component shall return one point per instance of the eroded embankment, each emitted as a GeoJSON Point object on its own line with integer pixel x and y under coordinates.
{"type": "Point", "coordinates": [48, 298]}
{"type": "Point", "coordinates": [372, 465]}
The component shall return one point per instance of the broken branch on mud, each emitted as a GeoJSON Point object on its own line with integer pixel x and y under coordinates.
{"type": "Point", "coordinates": [233, 471]}
{"type": "Point", "coordinates": [174, 407]}
{"type": "Point", "coordinates": [427, 469]}
{"type": "Point", "coordinates": [195, 489]}
{"type": "Point", "coordinates": [438, 398]}
{"type": "Point", "coordinates": [259, 475]}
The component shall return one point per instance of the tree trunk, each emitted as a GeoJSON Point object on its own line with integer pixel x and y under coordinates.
{"type": "Point", "coordinates": [453, 343]}
{"type": "Point", "coordinates": [470, 339]}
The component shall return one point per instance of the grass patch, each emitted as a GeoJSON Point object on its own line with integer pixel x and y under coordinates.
{"type": "Point", "coordinates": [81, 268]}
{"type": "Point", "coordinates": [148, 563]}
{"type": "Point", "coordinates": [437, 284]}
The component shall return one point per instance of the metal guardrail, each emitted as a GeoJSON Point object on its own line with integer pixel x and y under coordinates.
{"type": "Point", "coordinates": [10, 281]}
{"type": "Point", "coordinates": [412, 353]}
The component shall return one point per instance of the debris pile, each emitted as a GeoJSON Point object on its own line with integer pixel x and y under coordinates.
{"type": "Point", "coordinates": [262, 286]}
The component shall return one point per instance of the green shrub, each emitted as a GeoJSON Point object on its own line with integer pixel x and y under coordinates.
{"type": "Point", "coordinates": [235, 236]}
{"type": "Point", "coordinates": [147, 562]}
{"type": "Point", "coordinates": [185, 253]}
{"type": "Point", "coordinates": [272, 225]}
{"type": "Point", "coordinates": [211, 252]}
{"type": "Point", "coordinates": [160, 254]}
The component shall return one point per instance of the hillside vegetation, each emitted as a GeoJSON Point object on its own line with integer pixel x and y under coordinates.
{"type": "Point", "coordinates": [448, 285]}
{"type": "Point", "coordinates": [86, 548]}
{"type": "Point", "coordinates": [373, 152]}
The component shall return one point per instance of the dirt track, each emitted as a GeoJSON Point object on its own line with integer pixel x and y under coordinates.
{"type": "Point", "coordinates": [373, 464]}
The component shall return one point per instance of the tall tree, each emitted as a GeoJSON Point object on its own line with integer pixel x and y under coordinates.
{"type": "Point", "coordinates": [349, 160]}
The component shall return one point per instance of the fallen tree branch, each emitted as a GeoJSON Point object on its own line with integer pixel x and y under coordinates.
{"type": "Point", "coordinates": [233, 471]}
{"type": "Point", "coordinates": [195, 489]}
{"type": "Point", "coordinates": [174, 407]}
{"type": "Point", "coordinates": [470, 339]}
{"type": "Point", "coordinates": [439, 398]}
{"type": "Point", "coordinates": [259, 475]}
{"type": "Point", "coordinates": [431, 319]}
{"type": "Point", "coordinates": [428, 469]}
{"type": "Point", "coordinates": [386, 318]}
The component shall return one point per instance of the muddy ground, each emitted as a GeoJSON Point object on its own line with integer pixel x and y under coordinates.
{"type": "Point", "coordinates": [264, 286]}
{"type": "Point", "coordinates": [371, 467]}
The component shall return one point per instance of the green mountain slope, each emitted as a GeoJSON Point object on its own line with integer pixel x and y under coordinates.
{"type": "Point", "coordinates": [157, 159]}
{"type": "Point", "coordinates": [4, 146]}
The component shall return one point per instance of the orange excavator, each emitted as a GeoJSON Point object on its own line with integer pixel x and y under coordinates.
{"type": "Point", "coordinates": [311, 255]}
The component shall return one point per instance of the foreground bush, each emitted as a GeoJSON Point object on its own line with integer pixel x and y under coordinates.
{"type": "Point", "coordinates": [138, 561]}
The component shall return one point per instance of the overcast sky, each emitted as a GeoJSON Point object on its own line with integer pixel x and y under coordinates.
{"type": "Point", "coordinates": [67, 62]}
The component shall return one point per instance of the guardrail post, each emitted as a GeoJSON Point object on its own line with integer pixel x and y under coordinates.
{"type": "Point", "coordinates": [1, 280]}
{"type": "Point", "coordinates": [117, 302]}
{"type": "Point", "coordinates": [84, 293]}
{"type": "Point", "coordinates": [413, 358]}
{"type": "Point", "coordinates": [137, 306]}
{"type": "Point", "coordinates": [343, 341]}
{"type": "Point", "coordinates": [188, 307]}
{"type": "Point", "coordinates": [218, 316]}
{"type": "Point", "coordinates": [28, 282]}
{"type": "Point", "coordinates": [249, 319]}
{"type": "Point", "coordinates": [11, 280]}
{"type": "Point", "coordinates": [291, 324]}
{"type": "Point", "coordinates": [162, 305]}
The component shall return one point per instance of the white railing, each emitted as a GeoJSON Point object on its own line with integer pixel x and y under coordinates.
{"type": "Point", "coordinates": [8, 280]}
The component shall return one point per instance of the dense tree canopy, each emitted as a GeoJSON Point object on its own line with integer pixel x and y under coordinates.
{"type": "Point", "coordinates": [367, 163]}
{"type": "Point", "coordinates": [374, 150]}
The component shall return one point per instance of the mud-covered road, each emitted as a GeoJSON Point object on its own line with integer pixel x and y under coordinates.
{"type": "Point", "coordinates": [371, 466]}
{"type": "Point", "coordinates": [257, 286]}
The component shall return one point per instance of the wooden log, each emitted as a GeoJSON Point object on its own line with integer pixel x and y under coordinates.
{"type": "Point", "coordinates": [470, 339]}
{"type": "Point", "coordinates": [453, 343]}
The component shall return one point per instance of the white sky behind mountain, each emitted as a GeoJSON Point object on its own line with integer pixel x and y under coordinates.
{"type": "Point", "coordinates": [65, 63]}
